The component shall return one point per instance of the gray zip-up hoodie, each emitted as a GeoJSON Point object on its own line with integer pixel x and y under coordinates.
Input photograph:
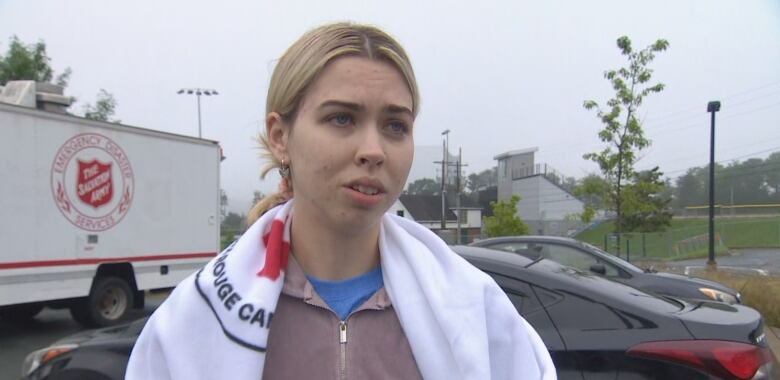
{"type": "Point", "coordinates": [308, 341]}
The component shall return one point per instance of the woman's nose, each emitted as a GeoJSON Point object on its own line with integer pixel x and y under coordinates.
{"type": "Point", "coordinates": [370, 151]}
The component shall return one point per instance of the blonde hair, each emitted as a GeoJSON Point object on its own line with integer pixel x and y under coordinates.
{"type": "Point", "coordinates": [302, 63]}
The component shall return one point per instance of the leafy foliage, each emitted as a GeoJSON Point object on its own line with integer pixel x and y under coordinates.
{"type": "Point", "coordinates": [505, 221]}
{"type": "Point", "coordinates": [223, 204]}
{"type": "Point", "coordinates": [622, 130]}
{"type": "Point", "coordinates": [478, 181]}
{"type": "Point", "coordinates": [104, 108]}
{"type": "Point", "coordinates": [233, 222]}
{"type": "Point", "coordinates": [424, 186]}
{"type": "Point", "coordinates": [646, 209]}
{"type": "Point", "coordinates": [23, 62]}
{"type": "Point", "coordinates": [753, 181]}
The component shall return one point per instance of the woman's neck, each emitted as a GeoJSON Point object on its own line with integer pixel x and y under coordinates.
{"type": "Point", "coordinates": [329, 254]}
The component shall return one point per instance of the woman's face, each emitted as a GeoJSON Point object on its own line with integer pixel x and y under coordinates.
{"type": "Point", "coordinates": [350, 146]}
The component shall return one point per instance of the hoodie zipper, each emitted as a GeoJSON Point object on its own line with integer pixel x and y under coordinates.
{"type": "Point", "coordinates": [343, 345]}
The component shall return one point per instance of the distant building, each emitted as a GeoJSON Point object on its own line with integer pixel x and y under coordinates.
{"type": "Point", "coordinates": [426, 210]}
{"type": "Point", "coordinates": [545, 206]}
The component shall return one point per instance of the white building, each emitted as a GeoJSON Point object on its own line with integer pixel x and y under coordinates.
{"type": "Point", "coordinates": [426, 210]}
{"type": "Point", "coordinates": [544, 205]}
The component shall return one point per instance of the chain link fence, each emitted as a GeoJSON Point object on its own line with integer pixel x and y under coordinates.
{"type": "Point", "coordinates": [693, 240]}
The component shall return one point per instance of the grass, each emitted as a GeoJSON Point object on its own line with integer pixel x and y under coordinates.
{"type": "Point", "coordinates": [687, 238]}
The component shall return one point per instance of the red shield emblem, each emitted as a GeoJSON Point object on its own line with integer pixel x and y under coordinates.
{"type": "Point", "coordinates": [94, 183]}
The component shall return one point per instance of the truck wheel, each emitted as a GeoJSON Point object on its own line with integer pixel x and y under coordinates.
{"type": "Point", "coordinates": [107, 304]}
{"type": "Point", "coordinates": [20, 313]}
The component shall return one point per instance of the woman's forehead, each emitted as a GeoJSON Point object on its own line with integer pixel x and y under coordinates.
{"type": "Point", "coordinates": [359, 80]}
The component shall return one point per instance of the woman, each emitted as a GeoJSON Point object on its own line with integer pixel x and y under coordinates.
{"type": "Point", "coordinates": [349, 291]}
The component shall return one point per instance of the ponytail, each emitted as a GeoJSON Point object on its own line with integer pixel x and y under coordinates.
{"type": "Point", "coordinates": [264, 205]}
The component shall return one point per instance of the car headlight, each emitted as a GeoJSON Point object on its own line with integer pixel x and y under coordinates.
{"type": "Point", "coordinates": [718, 295]}
{"type": "Point", "coordinates": [43, 356]}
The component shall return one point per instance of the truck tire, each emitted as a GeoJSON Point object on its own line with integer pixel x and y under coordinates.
{"type": "Point", "coordinates": [107, 304]}
{"type": "Point", "coordinates": [20, 313]}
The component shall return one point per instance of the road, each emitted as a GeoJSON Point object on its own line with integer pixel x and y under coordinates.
{"type": "Point", "coordinates": [18, 340]}
{"type": "Point", "coordinates": [763, 259]}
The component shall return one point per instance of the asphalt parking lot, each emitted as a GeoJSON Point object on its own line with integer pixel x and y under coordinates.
{"type": "Point", "coordinates": [50, 325]}
{"type": "Point", "coordinates": [18, 340]}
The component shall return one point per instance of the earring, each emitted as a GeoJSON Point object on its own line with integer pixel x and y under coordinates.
{"type": "Point", "coordinates": [284, 170]}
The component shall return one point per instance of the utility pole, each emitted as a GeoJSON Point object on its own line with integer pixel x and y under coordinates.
{"type": "Point", "coordinates": [444, 167]}
{"type": "Point", "coordinates": [712, 108]}
{"type": "Point", "coordinates": [457, 194]}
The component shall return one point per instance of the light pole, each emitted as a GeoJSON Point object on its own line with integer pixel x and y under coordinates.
{"type": "Point", "coordinates": [198, 92]}
{"type": "Point", "coordinates": [712, 107]}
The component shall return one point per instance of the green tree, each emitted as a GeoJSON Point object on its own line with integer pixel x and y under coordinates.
{"type": "Point", "coordinates": [622, 130]}
{"type": "Point", "coordinates": [478, 181]}
{"type": "Point", "coordinates": [233, 222]}
{"type": "Point", "coordinates": [690, 189]}
{"type": "Point", "coordinates": [773, 176]}
{"type": "Point", "coordinates": [28, 62]}
{"type": "Point", "coordinates": [646, 207]}
{"type": "Point", "coordinates": [104, 108]}
{"type": "Point", "coordinates": [593, 190]}
{"type": "Point", "coordinates": [424, 186]}
{"type": "Point", "coordinates": [223, 203]}
{"type": "Point", "coordinates": [505, 221]}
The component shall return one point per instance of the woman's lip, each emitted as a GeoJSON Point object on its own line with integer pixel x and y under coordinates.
{"type": "Point", "coordinates": [368, 182]}
{"type": "Point", "coordinates": [362, 199]}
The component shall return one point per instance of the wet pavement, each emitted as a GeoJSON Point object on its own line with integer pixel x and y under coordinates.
{"type": "Point", "coordinates": [763, 261]}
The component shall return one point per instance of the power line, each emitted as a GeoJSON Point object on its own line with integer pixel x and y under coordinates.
{"type": "Point", "coordinates": [698, 108]}
{"type": "Point", "coordinates": [684, 157]}
{"type": "Point", "coordinates": [777, 148]}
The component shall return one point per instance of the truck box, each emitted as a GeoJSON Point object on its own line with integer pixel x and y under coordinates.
{"type": "Point", "coordinates": [95, 213]}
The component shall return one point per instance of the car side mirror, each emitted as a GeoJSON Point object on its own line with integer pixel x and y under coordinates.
{"type": "Point", "coordinates": [598, 268]}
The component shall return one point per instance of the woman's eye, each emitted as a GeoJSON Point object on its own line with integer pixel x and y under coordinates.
{"type": "Point", "coordinates": [397, 127]}
{"type": "Point", "coordinates": [341, 120]}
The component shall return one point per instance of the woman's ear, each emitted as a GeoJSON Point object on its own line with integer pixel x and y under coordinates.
{"type": "Point", "coordinates": [278, 132]}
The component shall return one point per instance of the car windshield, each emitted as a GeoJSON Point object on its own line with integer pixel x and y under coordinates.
{"type": "Point", "coordinates": [624, 264]}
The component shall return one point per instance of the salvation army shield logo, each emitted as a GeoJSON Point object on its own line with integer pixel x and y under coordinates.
{"type": "Point", "coordinates": [92, 182]}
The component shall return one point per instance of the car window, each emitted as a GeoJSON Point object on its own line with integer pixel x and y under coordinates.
{"type": "Point", "coordinates": [576, 258]}
{"type": "Point", "coordinates": [526, 302]}
{"type": "Point", "coordinates": [626, 265]}
{"type": "Point", "coordinates": [528, 250]}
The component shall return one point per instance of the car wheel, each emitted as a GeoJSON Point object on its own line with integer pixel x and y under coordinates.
{"type": "Point", "coordinates": [107, 304]}
{"type": "Point", "coordinates": [20, 313]}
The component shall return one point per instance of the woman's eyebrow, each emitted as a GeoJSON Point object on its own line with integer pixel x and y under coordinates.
{"type": "Point", "coordinates": [390, 108]}
{"type": "Point", "coordinates": [339, 103]}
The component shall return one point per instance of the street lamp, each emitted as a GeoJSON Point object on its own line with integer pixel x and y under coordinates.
{"type": "Point", "coordinates": [198, 92]}
{"type": "Point", "coordinates": [712, 107]}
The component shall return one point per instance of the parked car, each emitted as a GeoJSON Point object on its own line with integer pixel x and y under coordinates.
{"type": "Point", "coordinates": [100, 354]}
{"type": "Point", "coordinates": [587, 257]}
{"type": "Point", "coordinates": [601, 329]}
{"type": "Point", "coordinates": [593, 327]}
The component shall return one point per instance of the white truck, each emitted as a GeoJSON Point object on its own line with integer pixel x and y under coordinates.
{"type": "Point", "coordinates": [96, 213]}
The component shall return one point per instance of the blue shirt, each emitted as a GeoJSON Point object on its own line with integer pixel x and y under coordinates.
{"type": "Point", "coordinates": [347, 295]}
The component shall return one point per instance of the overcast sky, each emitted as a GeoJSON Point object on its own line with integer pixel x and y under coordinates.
{"type": "Point", "coordinates": [501, 75]}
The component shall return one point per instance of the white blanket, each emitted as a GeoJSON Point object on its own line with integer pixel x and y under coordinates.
{"type": "Point", "coordinates": [459, 323]}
